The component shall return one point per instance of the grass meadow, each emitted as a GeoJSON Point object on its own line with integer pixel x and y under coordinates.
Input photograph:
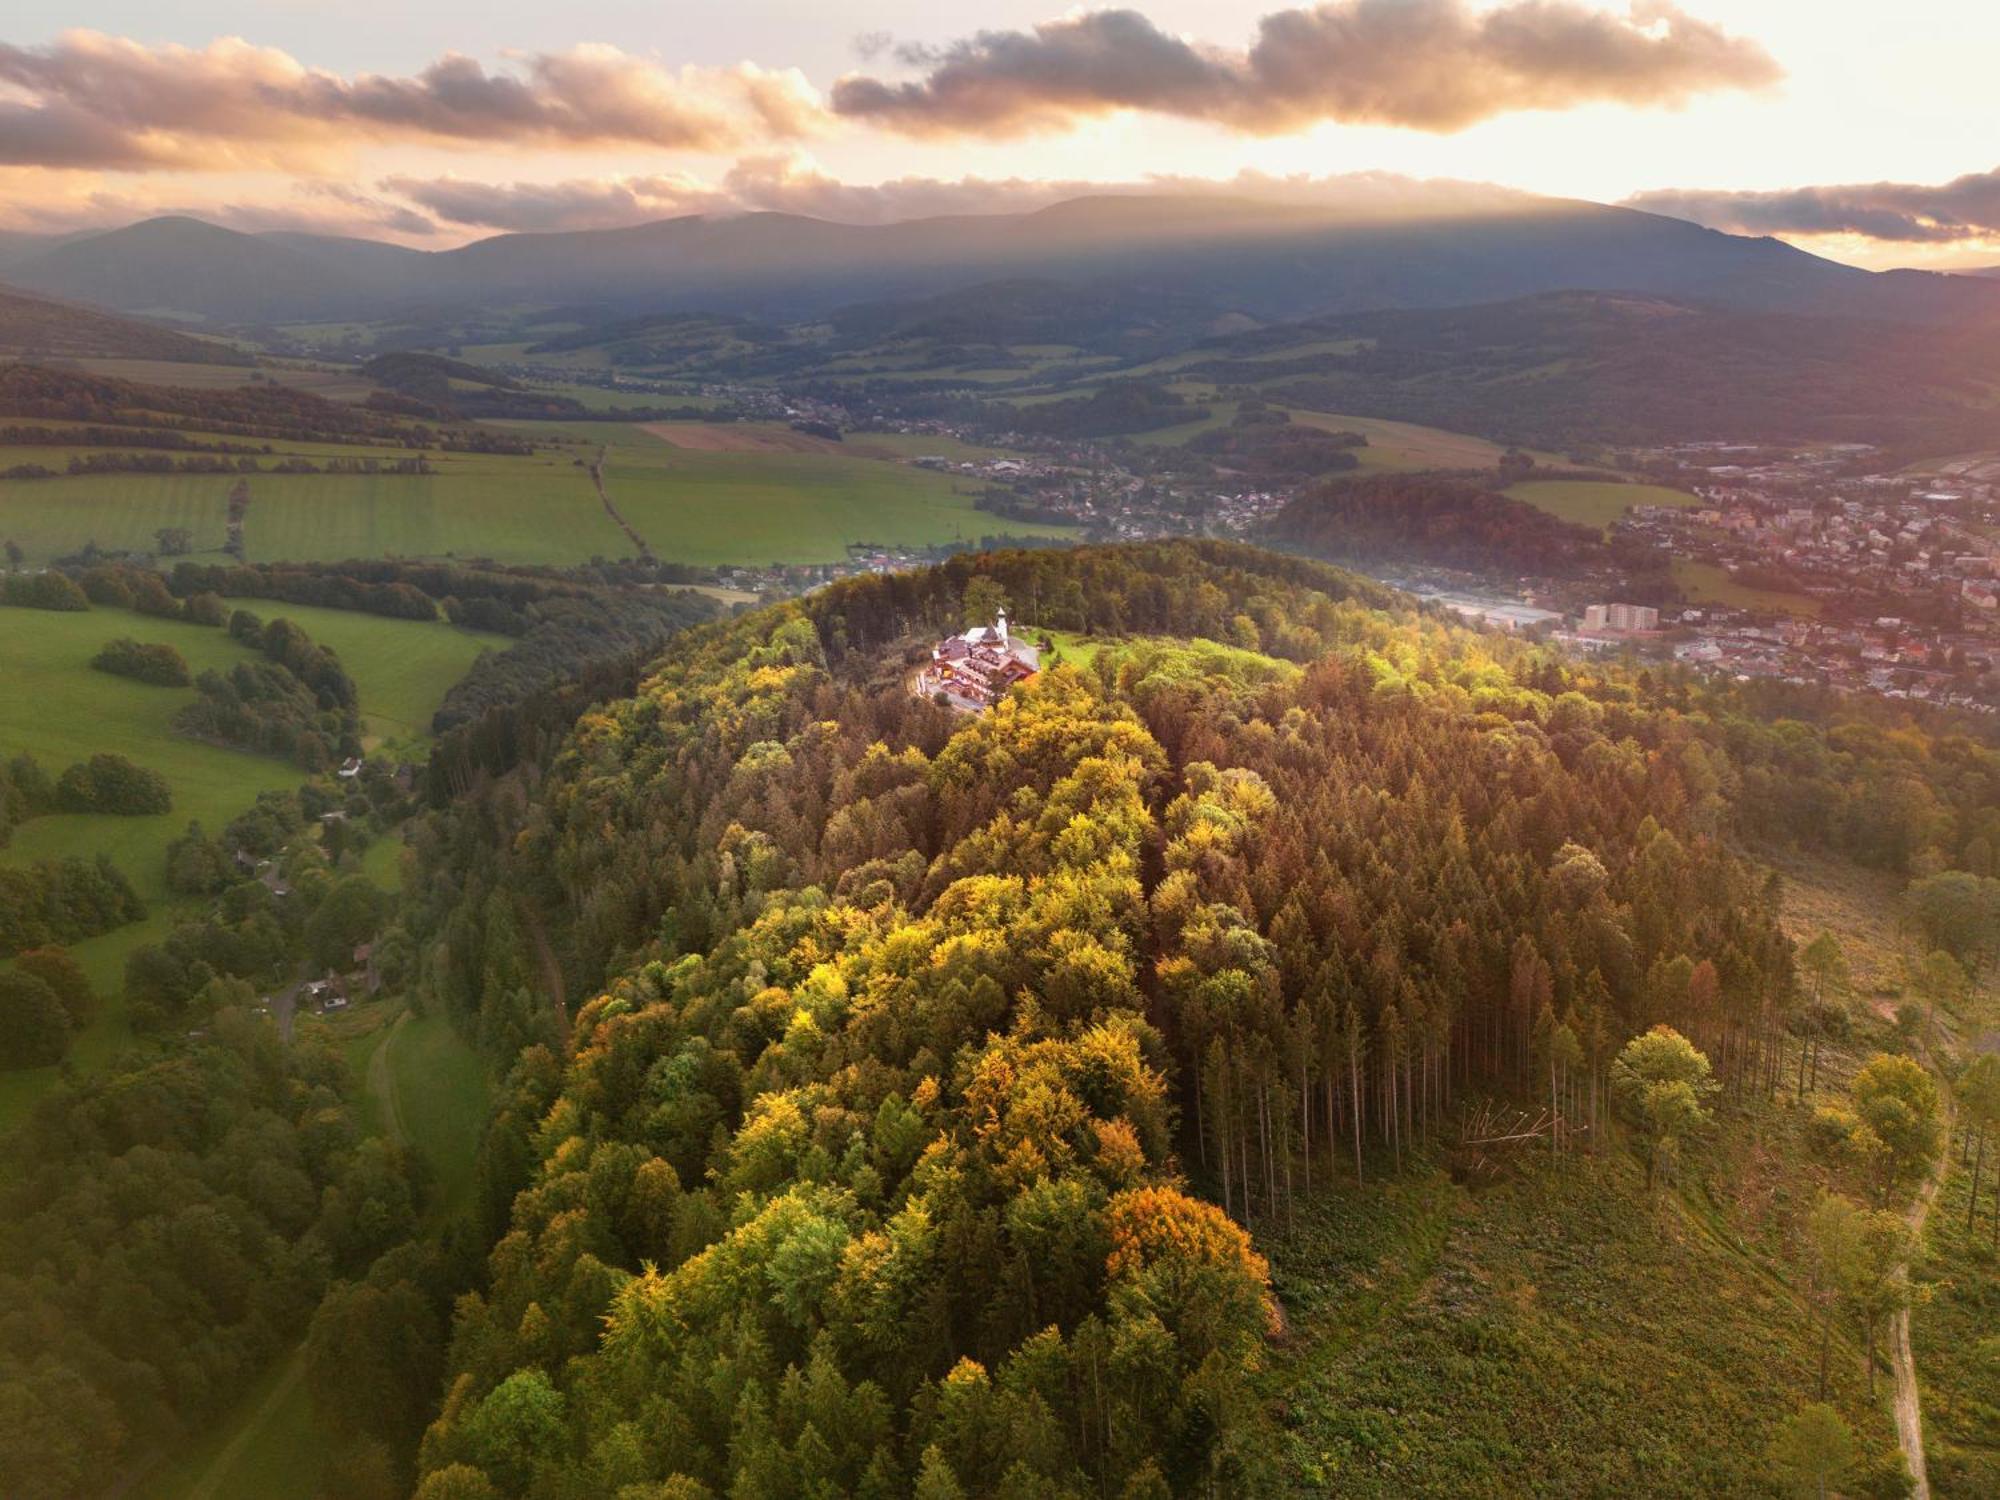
{"type": "Point", "coordinates": [1706, 583]}
{"type": "Point", "coordinates": [1595, 503]}
{"type": "Point", "coordinates": [708, 508]}
{"type": "Point", "coordinates": [692, 506]}
{"type": "Point", "coordinates": [56, 707]}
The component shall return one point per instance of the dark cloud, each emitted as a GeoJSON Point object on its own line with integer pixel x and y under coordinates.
{"type": "Point", "coordinates": [1425, 64]}
{"type": "Point", "coordinates": [1965, 208]}
{"type": "Point", "coordinates": [90, 100]}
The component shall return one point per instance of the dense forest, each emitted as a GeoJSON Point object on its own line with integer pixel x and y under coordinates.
{"type": "Point", "coordinates": [1460, 523]}
{"type": "Point", "coordinates": [897, 1095]}
{"type": "Point", "coordinates": [1117, 408]}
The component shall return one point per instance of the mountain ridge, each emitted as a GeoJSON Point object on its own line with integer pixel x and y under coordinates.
{"type": "Point", "coordinates": [1277, 261]}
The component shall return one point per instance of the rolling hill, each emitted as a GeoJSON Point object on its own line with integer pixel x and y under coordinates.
{"type": "Point", "coordinates": [1572, 369]}
{"type": "Point", "coordinates": [40, 327]}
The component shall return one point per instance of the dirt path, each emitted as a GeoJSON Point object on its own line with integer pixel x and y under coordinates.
{"type": "Point", "coordinates": [604, 497]}
{"type": "Point", "coordinates": [294, 1372]}
{"type": "Point", "coordinates": [1909, 1399]}
{"type": "Point", "coordinates": [382, 1084]}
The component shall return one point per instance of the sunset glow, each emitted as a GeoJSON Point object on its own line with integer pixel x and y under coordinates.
{"type": "Point", "coordinates": [1836, 127]}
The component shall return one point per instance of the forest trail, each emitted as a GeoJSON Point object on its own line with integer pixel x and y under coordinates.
{"type": "Point", "coordinates": [294, 1372]}
{"type": "Point", "coordinates": [1909, 1399]}
{"type": "Point", "coordinates": [382, 1084]}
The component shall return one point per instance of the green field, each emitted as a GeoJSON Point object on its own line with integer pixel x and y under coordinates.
{"type": "Point", "coordinates": [704, 507]}
{"type": "Point", "coordinates": [1705, 583]}
{"type": "Point", "coordinates": [54, 706]}
{"type": "Point", "coordinates": [692, 506]}
{"type": "Point", "coordinates": [401, 668]}
{"type": "Point", "coordinates": [438, 1091]}
{"type": "Point", "coordinates": [1595, 503]}
{"type": "Point", "coordinates": [539, 508]}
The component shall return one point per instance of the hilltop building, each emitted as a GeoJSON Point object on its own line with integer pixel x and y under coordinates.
{"type": "Point", "coordinates": [974, 670]}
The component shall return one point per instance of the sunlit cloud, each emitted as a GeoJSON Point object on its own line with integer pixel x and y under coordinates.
{"type": "Point", "coordinates": [1434, 65]}
{"type": "Point", "coordinates": [790, 184]}
{"type": "Point", "coordinates": [92, 100]}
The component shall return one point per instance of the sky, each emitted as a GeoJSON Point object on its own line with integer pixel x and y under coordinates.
{"type": "Point", "coordinates": [1858, 131]}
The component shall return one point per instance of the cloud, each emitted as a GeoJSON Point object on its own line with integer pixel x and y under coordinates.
{"type": "Point", "coordinates": [1966, 208]}
{"type": "Point", "coordinates": [1434, 65]}
{"type": "Point", "coordinates": [581, 203]}
{"type": "Point", "coordinates": [792, 184]}
{"type": "Point", "coordinates": [64, 204]}
{"type": "Point", "coordinates": [92, 100]}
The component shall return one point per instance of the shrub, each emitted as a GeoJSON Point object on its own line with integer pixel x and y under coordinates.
{"type": "Point", "coordinates": [144, 661]}
{"type": "Point", "coordinates": [34, 1028]}
{"type": "Point", "coordinates": [112, 784]}
{"type": "Point", "coordinates": [65, 978]}
{"type": "Point", "coordinates": [43, 591]}
{"type": "Point", "coordinates": [207, 609]}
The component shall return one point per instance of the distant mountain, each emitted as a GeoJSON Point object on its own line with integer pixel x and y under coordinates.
{"type": "Point", "coordinates": [1203, 253]}
{"type": "Point", "coordinates": [185, 268]}
{"type": "Point", "coordinates": [16, 246]}
{"type": "Point", "coordinates": [39, 327]}
{"type": "Point", "coordinates": [1574, 370]}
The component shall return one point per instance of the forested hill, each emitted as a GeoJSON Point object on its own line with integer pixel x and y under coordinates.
{"type": "Point", "coordinates": [1456, 522]}
{"type": "Point", "coordinates": [1574, 368]}
{"type": "Point", "coordinates": [901, 1098]}
{"type": "Point", "coordinates": [38, 327]}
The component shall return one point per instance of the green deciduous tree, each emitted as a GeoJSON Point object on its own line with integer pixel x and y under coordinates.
{"type": "Point", "coordinates": [34, 1027]}
{"type": "Point", "coordinates": [1660, 1082]}
{"type": "Point", "coordinates": [1813, 1448]}
{"type": "Point", "coordinates": [1897, 1098]}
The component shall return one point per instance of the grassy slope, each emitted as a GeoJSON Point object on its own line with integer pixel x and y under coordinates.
{"type": "Point", "coordinates": [1595, 502]}
{"type": "Point", "coordinates": [1557, 1334]}
{"type": "Point", "coordinates": [55, 707]}
{"type": "Point", "coordinates": [402, 668]}
{"type": "Point", "coordinates": [1446, 1340]}
{"type": "Point", "coordinates": [441, 1099]}
{"type": "Point", "coordinates": [1393, 447]}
